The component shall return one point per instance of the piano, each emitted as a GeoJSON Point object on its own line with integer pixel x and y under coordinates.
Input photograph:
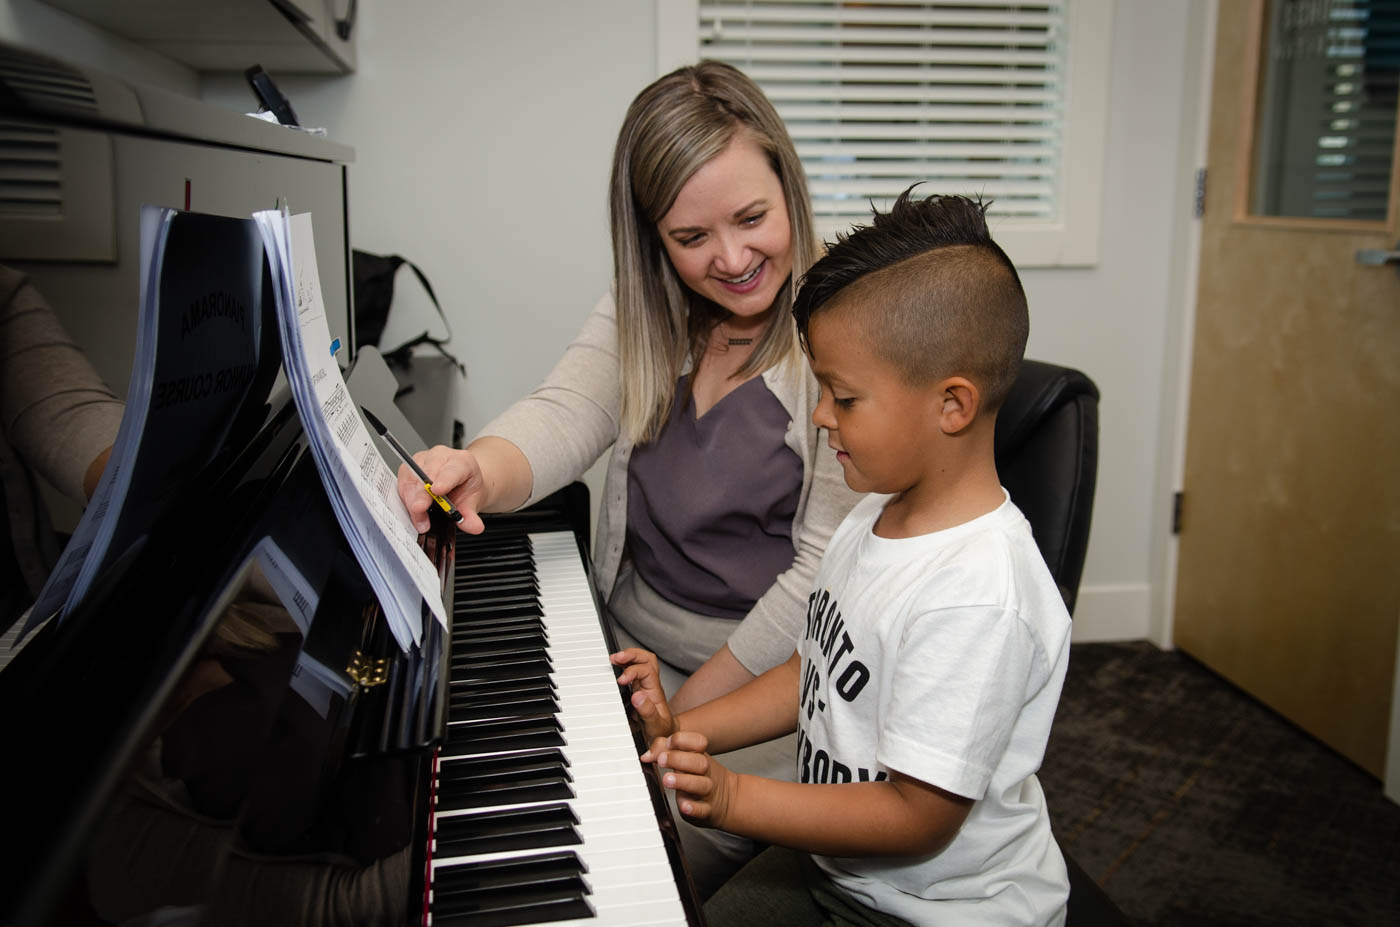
{"type": "Point", "coordinates": [224, 731]}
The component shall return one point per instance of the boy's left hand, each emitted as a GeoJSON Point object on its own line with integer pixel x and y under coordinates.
{"type": "Point", "coordinates": [642, 673]}
{"type": "Point", "coordinates": [705, 789]}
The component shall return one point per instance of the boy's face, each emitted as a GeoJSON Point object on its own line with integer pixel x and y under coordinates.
{"type": "Point", "coordinates": [881, 427]}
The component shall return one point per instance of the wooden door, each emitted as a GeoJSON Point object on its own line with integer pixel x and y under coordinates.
{"type": "Point", "coordinates": [1289, 562]}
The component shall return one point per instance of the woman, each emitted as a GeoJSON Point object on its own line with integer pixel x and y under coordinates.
{"type": "Point", "coordinates": [720, 494]}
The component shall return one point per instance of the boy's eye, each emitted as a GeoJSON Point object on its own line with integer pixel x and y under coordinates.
{"type": "Point", "coordinates": [844, 402]}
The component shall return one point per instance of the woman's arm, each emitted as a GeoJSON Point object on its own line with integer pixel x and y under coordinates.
{"type": "Point", "coordinates": [718, 675]}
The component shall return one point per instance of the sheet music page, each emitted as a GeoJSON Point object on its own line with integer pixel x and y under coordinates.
{"type": "Point", "coordinates": [362, 489]}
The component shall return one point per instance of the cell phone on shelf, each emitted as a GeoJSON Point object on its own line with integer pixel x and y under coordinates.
{"type": "Point", "coordinates": [269, 96]}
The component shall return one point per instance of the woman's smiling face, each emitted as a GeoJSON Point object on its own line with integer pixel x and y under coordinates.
{"type": "Point", "coordinates": [727, 234]}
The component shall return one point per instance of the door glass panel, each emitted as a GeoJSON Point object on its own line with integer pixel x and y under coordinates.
{"type": "Point", "coordinates": [1325, 130]}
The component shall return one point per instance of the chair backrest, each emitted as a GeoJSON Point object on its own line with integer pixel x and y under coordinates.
{"type": "Point", "coordinates": [1047, 451]}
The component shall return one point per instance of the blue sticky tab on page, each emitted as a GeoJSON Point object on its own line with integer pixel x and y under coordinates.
{"type": "Point", "coordinates": [335, 346]}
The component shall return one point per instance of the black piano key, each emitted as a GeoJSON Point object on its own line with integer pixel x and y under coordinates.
{"type": "Point", "coordinates": [488, 559]}
{"type": "Point", "coordinates": [531, 645]}
{"type": "Point", "coordinates": [498, 709]}
{"type": "Point", "coordinates": [494, 623]}
{"type": "Point", "coordinates": [525, 913]}
{"type": "Point", "coordinates": [486, 635]}
{"type": "Point", "coordinates": [524, 669]}
{"type": "Point", "coordinates": [526, 761]}
{"type": "Point", "coordinates": [502, 693]}
{"type": "Point", "coordinates": [467, 610]}
{"type": "Point", "coordinates": [488, 687]}
{"type": "Point", "coordinates": [524, 583]}
{"type": "Point", "coordinates": [465, 663]}
{"type": "Point", "coordinates": [516, 829]}
{"type": "Point", "coordinates": [508, 734]}
{"type": "Point", "coordinates": [519, 870]}
{"type": "Point", "coordinates": [482, 794]}
{"type": "Point", "coordinates": [509, 573]}
{"type": "Point", "coordinates": [486, 888]}
{"type": "Point", "coordinates": [483, 601]}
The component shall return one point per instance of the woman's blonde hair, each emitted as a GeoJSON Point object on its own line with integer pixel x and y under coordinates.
{"type": "Point", "coordinates": [672, 129]}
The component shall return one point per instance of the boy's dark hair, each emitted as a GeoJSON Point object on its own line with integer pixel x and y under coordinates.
{"type": "Point", "coordinates": [938, 297]}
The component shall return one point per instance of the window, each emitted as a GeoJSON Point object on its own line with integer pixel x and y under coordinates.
{"type": "Point", "coordinates": [1003, 100]}
{"type": "Point", "coordinates": [1325, 133]}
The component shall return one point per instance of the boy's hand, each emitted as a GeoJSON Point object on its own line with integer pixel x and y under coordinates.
{"type": "Point", "coordinates": [704, 789]}
{"type": "Point", "coordinates": [643, 674]}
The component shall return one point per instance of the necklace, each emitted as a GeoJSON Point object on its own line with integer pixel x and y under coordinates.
{"type": "Point", "coordinates": [738, 341]}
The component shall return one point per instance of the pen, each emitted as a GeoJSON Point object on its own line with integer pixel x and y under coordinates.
{"type": "Point", "coordinates": [393, 442]}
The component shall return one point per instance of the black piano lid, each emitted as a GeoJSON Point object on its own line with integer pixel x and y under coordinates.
{"type": "Point", "coordinates": [98, 688]}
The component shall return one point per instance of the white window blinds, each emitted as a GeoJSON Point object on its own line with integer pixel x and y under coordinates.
{"type": "Point", "coordinates": [965, 96]}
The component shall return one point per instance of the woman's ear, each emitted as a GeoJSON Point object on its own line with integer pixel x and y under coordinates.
{"type": "Point", "coordinates": [960, 402]}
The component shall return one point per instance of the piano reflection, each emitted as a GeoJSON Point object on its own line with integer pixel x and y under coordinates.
{"type": "Point", "coordinates": [224, 731]}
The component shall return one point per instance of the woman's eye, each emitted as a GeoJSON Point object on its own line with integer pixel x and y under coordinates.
{"type": "Point", "coordinates": [690, 240]}
{"type": "Point", "coordinates": [753, 219]}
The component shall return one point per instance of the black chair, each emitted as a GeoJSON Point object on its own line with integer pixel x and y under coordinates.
{"type": "Point", "coordinates": [1047, 451]}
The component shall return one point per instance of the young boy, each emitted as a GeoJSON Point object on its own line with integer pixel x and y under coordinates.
{"type": "Point", "coordinates": [936, 641]}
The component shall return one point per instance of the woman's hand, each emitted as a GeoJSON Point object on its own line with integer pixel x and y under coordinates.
{"type": "Point", "coordinates": [643, 674]}
{"type": "Point", "coordinates": [456, 474]}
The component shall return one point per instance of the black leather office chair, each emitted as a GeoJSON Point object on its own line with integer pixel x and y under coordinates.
{"type": "Point", "coordinates": [1047, 452]}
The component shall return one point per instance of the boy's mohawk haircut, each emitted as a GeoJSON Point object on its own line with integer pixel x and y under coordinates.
{"type": "Point", "coordinates": [911, 227]}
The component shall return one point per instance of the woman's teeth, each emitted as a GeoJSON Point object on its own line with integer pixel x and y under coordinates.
{"type": "Point", "coordinates": [745, 278]}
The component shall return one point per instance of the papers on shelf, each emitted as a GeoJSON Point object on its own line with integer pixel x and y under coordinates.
{"type": "Point", "coordinates": [361, 487]}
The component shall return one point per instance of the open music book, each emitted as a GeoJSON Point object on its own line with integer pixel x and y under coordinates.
{"type": "Point", "coordinates": [220, 299]}
{"type": "Point", "coordinates": [361, 487]}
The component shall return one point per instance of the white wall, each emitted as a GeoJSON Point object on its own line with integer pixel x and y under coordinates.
{"type": "Point", "coordinates": [483, 133]}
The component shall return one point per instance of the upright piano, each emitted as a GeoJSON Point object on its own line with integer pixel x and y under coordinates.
{"type": "Point", "coordinates": [188, 746]}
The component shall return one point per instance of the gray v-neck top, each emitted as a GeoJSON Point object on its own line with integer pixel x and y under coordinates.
{"type": "Point", "coordinates": [711, 502]}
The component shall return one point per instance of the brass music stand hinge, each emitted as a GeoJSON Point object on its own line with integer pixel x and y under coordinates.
{"type": "Point", "coordinates": [367, 673]}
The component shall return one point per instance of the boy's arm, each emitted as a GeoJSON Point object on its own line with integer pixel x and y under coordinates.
{"type": "Point", "coordinates": [753, 713]}
{"type": "Point", "coordinates": [898, 817]}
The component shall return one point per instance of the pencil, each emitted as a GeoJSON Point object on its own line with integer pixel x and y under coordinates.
{"type": "Point", "coordinates": [407, 458]}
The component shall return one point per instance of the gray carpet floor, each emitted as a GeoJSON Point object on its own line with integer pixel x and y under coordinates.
{"type": "Point", "coordinates": [1191, 803]}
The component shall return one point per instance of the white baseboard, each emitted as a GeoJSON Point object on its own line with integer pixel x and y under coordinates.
{"type": "Point", "coordinates": [1112, 613]}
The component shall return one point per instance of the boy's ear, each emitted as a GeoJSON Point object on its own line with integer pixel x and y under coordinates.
{"type": "Point", "coordinates": [960, 402]}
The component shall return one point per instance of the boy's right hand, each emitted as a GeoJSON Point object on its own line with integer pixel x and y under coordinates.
{"type": "Point", "coordinates": [643, 674]}
{"type": "Point", "coordinates": [456, 475]}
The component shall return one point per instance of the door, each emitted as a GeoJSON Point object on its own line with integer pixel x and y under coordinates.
{"type": "Point", "coordinates": [1288, 577]}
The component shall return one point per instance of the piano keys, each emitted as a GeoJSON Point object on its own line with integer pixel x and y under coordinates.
{"type": "Point", "coordinates": [542, 811]}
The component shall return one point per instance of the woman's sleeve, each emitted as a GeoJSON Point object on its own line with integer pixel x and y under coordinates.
{"type": "Point", "coordinates": [55, 410]}
{"type": "Point", "coordinates": [569, 420]}
{"type": "Point", "coordinates": [768, 634]}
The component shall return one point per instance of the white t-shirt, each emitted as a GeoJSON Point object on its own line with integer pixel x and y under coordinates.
{"type": "Point", "coordinates": [941, 656]}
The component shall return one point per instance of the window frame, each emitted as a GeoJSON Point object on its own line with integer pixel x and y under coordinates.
{"type": "Point", "coordinates": [1071, 239]}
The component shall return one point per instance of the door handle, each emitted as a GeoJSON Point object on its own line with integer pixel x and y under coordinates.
{"type": "Point", "coordinates": [1374, 257]}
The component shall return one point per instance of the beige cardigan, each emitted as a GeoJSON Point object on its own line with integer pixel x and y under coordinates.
{"type": "Point", "coordinates": [571, 419]}
{"type": "Point", "coordinates": [56, 416]}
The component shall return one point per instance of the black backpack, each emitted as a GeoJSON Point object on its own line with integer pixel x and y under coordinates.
{"type": "Point", "coordinates": [374, 294]}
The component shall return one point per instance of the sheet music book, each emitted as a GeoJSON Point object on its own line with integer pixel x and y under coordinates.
{"type": "Point", "coordinates": [199, 340]}
{"type": "Point", "coordinates": [362, 489]}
